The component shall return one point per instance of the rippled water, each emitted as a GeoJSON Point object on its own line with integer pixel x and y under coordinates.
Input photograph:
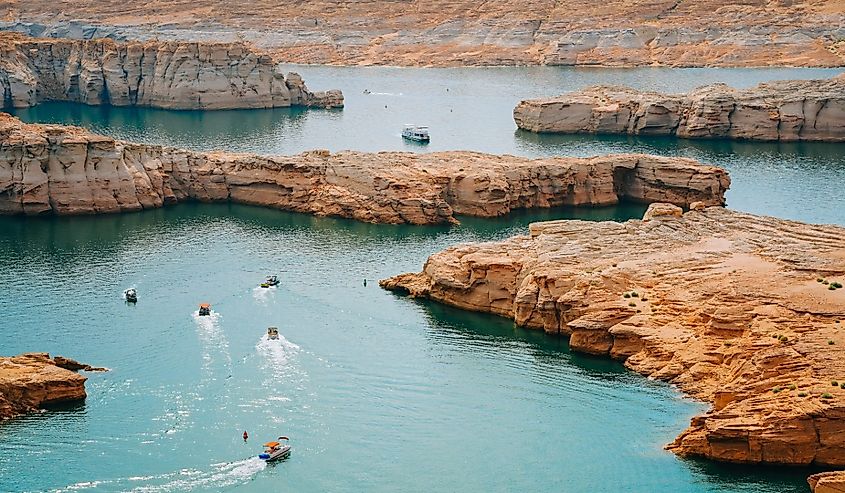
{"type": "Point", "coordinates": [471, 108]}
{"type": "Point", "coordinates": [377, 392]}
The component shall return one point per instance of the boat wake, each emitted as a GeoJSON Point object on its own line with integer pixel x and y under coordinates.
{"type": "Point", "coordinates": [214, 342]}
{"type": "Point", "coordinates": [219, 476]}
{"type": "Point", "coordinates": [263, 294]}
{"type": "Point", "coordinates": [277, 352]}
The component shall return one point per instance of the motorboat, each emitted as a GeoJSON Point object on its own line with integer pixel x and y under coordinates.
{"type": "Point", "coordinates": [275, 450]}
{"type": "Point", "coordinates": [205, 309]}
{"type": "Point", "coordinates": [131, 295]}
{"type": "Point", "coordinates": [416, 133]}
{"type": "Point", "coordinates": [270, 281]}
{"type": "Point", "coordinates": [272, 333]}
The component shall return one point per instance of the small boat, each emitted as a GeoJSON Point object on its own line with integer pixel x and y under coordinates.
{"type": "Point", "coordinates": [131, 295]}
{"type": "Point", "coordinates": [270, 281]}
{"type": "Point", "coordinates": [415, 133]}
{"type": "Point", "coordinates": [205, 309]}
{"type": "Point", "coordinates": [275, 450]}
{"type": "Point", "coordinates": [272, 333]}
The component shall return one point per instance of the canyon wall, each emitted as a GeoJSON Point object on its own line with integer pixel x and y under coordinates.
{"type": "Point", "coordinates": [174, 75]}
{"type": "Point", "coordinates": [32, 380]}
{"type": "Point", "coordinates": [459, 32]}
{"type": "Point", "coordinates": [811, 110]}
{"type": "Point", "coordinates": [67, 170]}
{"type": "Point", "coordinates": [739, 310]}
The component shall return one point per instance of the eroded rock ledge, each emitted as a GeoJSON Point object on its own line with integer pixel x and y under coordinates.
{"type": "Point", "coordinates": [736, 309]}
{"type": "Point", "coordinates": [174, 75]}
{"type": "Point", "coordinates": [827, 482]}
{"type": "Point", "coordinates": [462, 32]}
{"type": "Point", "coordinates": [32, 380]}
{"type": "Point", "coordinates": [67, 170]}
{"type": "Point", "coordinates": [812, 110]}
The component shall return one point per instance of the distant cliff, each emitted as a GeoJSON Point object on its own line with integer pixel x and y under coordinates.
{"type": "Point", "coordinates": [67, 170]}
{"type": "Point", "coordinates": [812, 110]}
{"type": "Point", "coordinates": [175, 75]}
{"type": "Point", "coordinates": [701, 33]}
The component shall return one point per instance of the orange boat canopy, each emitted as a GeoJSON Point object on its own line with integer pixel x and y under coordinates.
{"type": "Point", "coordinates": [271, 444]}
{"type": "Point", "coordinates": [204, 305]}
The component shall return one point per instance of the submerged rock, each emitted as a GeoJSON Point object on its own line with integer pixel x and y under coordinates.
{"type": "Point", "coordinates": [32, 380]}
{"type": "Point", "coordinates": [175, 75]}
{"type": "Point", "coordinates": [782, 110]}
{"type": "Point", "coordinates": [67, 170]}
{"type": "Point", "coordinates": [736, 309]}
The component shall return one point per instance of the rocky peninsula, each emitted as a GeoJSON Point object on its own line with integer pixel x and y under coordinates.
{"type": "Point", "coordinates": [460, 32]}
{"type": "Point", "coordinates": [827, 482]}
{"type": "Point", "coordinates": [806, 110]}
{"type": "Point", "coordinates": [32, 380]}
{"type": "Point", "coordinates": [174, 75]}
{"type": "Point", "coordinates": [744, 312]}
{"type": "Point", "coordinates": [68, 170]}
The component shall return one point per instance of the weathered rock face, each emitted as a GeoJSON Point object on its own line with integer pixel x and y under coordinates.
{"type": "Point", "coordinates": [175, 75]}
{"type": "Point", "coordinates": [455, 32]}
{"type": "Point", "coordinates": [32, 380]}
{"type": "Point", "coordinates": [827, 482]}
{"type": "Point", "coordinates": [731, 307]}
{"type": "Point", "coordinates": [67, 170]}
{"type": "Point", "coordinates": [782, 110]}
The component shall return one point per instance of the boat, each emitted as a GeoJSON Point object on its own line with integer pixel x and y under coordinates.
{"type": "Point", "coordinates": [205, 309]}
{"type": "Point", "coordinates": [275, 450]}
{"type": "Point", "coordinates": [131, 295]}
{"type": "Point", "coordinates": [270, 281]}
{"type": "Point", "coordinates": [272, 332]}
{"type": "Point", "coordinates": [415, 133]}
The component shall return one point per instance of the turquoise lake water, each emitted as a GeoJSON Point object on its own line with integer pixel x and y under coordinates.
{"type": "Point", "coordinates": [378, 392]}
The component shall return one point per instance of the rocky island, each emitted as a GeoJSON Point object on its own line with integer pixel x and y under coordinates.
{"type": "Point", "coordinates": [808, 110]}
{"type": "Point", "coordinates": [459, 32]}
{"type": "Point", "coordinates": [174, 75]}
{"type": "Point", "coordinates": [744, 312]}
{"type": "Point", "coordinates": [32, 380]}
{"type": "Point", "coordinates": [68, 170]}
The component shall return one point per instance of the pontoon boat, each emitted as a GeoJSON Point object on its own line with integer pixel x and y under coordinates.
{"type": "Point", "coordinates": [275, 450]}
{"type": "Point", "coordinates": [270, 281]}
{"type": "Point", "coordinates": [130, 295]}
{"type": "Point", "coordinates": [272, 333]}
{"type": "Point", "coordinates": [205, 309]}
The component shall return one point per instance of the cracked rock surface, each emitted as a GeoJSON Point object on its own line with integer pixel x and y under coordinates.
{"type": "Point", "coordinates": [809, 110]}
{"type": "Point", "coordinates": [67, 170]}
{"type": "Point", "coordinates": [174, 75]}
{"type": "Point", "coordinates": [738, 310]}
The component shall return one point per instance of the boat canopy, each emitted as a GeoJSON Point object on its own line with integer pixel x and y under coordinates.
{"type": "Point", "coordinates": [271, 444]}
{"type": "Point", "coordinates": [204, 305]}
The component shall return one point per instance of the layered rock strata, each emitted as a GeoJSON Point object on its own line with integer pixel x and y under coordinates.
{"type": "Point", "coordinates": [783, 110]}
{"type": "Point", "coordinates": [827, 482]}
{"type": "Point", "coordinates": [460, 32]}
{"type": "Point", "coordinates": [67, 170]}
{"type": "Point", "coordinates": [741, 311]}
{"type": "Point", "coordinates": [33, 380]}
{"type": "Point", "coordinates": [174, 75]}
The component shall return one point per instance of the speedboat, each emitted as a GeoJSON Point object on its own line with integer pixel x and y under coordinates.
{"type": "Point", "coordinates": [270, 281]}
{"type": "Point", "coordinates": [272, 333]}
{"type": "Point", "coordinates": [415, 133]}
{"type": "Point", "coordinates": [275, 450]}
{"type": "Point", "coordinates": [205, 309]}
{"type": "Point", "coordinates": [131, 295]}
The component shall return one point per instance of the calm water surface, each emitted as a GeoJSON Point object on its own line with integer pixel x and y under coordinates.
{"type": "Point", "coordinates": [378, 392]}
{"type": "Point", "coordinates": [471, 108]}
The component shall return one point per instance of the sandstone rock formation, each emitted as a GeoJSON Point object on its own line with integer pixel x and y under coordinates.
{"type": "Point", "coordinates": [67, 170]}
{"type": "Point", "coordinates": [32, 380]}
{"type": "Point", "coordinates": [460, 32]}
{"type": "Point", "coordinates": [175, 75]}
{"type": "Point", "coordinates": [741, 311]}
{"type": "Point", "coordinates": [782, 110]}
{"type": "Point", "coordinates": [827, 482]}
